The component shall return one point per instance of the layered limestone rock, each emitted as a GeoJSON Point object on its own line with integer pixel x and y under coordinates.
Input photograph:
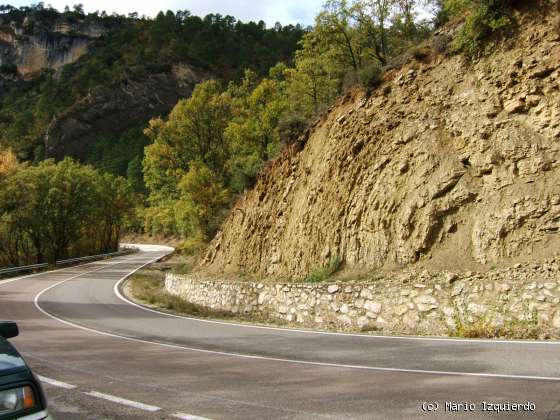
{"type": "Point", "coordinates": [32, 47]}
{"type": "Point", "coordinates": [454, 164]}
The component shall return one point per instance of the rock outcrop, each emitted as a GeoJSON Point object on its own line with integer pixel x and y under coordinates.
{"type": "Point", "coordinates": [32, 47]}
{"type": "Point", "coordinates": [108, 111]}
{"type": "Point", "coordinates": [32, 44]}
{"type": "Point", "coordinates": [454, 163]}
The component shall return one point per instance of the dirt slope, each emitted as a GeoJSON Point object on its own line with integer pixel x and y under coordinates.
{"type": "Point", "coordinates": [451, 164]}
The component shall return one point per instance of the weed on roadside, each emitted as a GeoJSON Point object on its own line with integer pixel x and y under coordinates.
{"type": "Point", "coordinates": [322, 274]}
{"type": "Point", "coordinates": [483, 327]}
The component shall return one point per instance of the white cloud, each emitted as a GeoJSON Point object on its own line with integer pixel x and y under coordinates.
{"type": "Point", "coordinates": [271, 11]}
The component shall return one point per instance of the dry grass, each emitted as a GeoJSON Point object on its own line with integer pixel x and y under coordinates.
{"type": "Point", "coordinates": [518, 330]}
{"type": "Point", "coordinates": [147, 287]}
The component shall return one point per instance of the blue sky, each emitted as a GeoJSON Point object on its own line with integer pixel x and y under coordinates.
{"type": "Point", "coordinates": [271, 11]}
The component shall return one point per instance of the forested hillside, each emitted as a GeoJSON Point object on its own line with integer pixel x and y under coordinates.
{"type": "Point", "coordinates": [213, 145]}
{"type": "Point", "coordinates": [152, 62]}
{"type": "Point", "coordinates": [85, 86]}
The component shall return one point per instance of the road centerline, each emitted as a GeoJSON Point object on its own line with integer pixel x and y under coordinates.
{"type": "Point", "coordinates": [54, 382]}
{"type": "Point", "coordinates": [184, 416]}
{"type": "Point", "coordinates": [124, 401]}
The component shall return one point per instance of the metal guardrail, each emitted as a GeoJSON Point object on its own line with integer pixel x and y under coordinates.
{"type": "Point", "coordinates": [24, 268]}
{"type": "Point", "coordinates": [97, 257]}
{"type": "Point", "coordinates": [126, 251]}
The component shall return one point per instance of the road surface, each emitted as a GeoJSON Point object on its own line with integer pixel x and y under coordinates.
{"type": "Point", "coordinates": [102, 357]}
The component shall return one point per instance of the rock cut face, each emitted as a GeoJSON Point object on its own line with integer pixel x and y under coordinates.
{"type": "Point", "coordinates": [450, 163]}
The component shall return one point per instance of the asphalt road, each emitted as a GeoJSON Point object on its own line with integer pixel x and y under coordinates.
{"type": "Point", "coordinates": [103, 358]}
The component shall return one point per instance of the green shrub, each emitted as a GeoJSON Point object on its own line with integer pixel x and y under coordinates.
{"type": "Point", "coordinates": [527, 328]}
{"type": "Point", "coordinates": [398, 62]}
{"type": "Point", "coordinates": [324, 273]}
{"type": "Point", "coordinates": [421, 52]}
{"type": "Point", "coordinates": [371, 75]}
{"type": "Point", "coordinates": [515, 330]}
{"type": "Point", "coordinates": [350, 81]}
{"type": "Point", "coordinates": [193, 245]}
{"type": "Point", "coordinates": [487, 19]}
{"type": "Point", "coordinates": [291, 125]}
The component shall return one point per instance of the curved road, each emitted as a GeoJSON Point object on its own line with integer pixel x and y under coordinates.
{"type": "Point", "coordinates": [103, 357]}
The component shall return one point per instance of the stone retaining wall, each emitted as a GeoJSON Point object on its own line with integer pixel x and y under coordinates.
{"type": "Point", "coordinates": [419, 303]}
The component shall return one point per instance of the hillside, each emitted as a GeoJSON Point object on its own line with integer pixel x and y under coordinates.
{"type": "Point", "coordinates": [86, 85]}
{"type": "Point", "coordinates": [452, 163]}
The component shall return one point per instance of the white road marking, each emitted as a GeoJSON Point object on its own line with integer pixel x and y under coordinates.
{"type": "Point", "coordinates": [56, 383]}
{"type": "Point", "coordinates": [115, 399]}
{"type": "Point", "coordinates": [122, 401]}
{"type": "Point", "coordinates": [306, 362]}
{"type": "Point", "coordinates": [184, 416]}
{"type": "Point", "coordinates": [296, 361]}
{"type": "Point", "coordinates": [117, 287]}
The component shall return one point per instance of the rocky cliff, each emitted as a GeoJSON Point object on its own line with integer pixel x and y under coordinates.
{"type": "Point", "coordinates": [32, 45]}
{"type": "Point", "coordinates": [107, 111]}
{"type": "Point", "coordinates": [34, 40]}
{"type": "Point", "coordinates": [453, 163]}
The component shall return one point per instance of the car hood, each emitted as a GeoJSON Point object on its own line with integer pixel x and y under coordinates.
{"type": "Point", "coordinates": [10, 360]}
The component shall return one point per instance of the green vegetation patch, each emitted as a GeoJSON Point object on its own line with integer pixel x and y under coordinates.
{"type": "Point", "coordinates": [482, 327]}
{"type": "Point", "coordinates": [324, 273]}
{"type": "Point", "coordinates": [52, 211]}
{"type": "Point", "coordinates": [486, 20]}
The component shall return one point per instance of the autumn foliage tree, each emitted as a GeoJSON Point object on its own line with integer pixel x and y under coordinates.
{"type": "Point", "coordinates": [213, 145]}
{"type": "Point", "coordinates": [53, 211]}
{"type": "Point", "coordinates": [210, 148]}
